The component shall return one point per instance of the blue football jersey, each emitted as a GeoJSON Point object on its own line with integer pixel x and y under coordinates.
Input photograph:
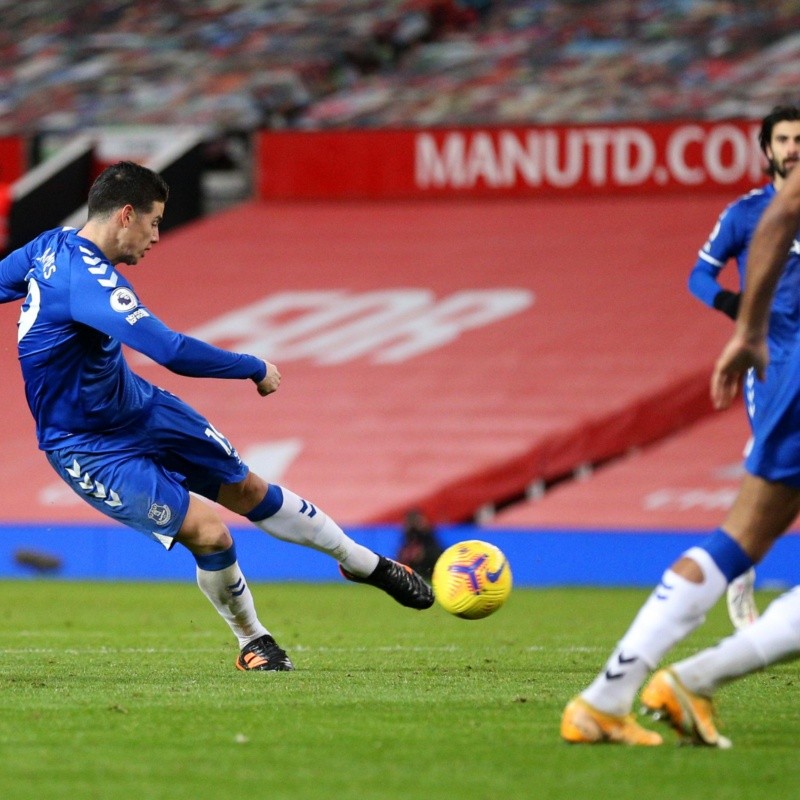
{"type": "Point", "coordinates": [77, 313]}
{"type": "Point", "coordinates": [730, 239]}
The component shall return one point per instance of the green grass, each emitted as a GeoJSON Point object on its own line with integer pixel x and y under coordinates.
{"type": "Point", "coordinates": [129, 691]}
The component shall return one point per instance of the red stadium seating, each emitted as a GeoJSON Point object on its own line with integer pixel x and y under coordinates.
{"type": "Point", "coordinates": [686, 482]}
{"type": "Point", "coordinates": [434, 407]}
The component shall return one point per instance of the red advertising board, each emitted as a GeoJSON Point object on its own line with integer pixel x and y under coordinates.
{"type": "Point", "coordinates": [12, 158]}
{"type": "Point", "coordinates": [12, 161]}
{"type": "Point", "coordinates": [510, 162]}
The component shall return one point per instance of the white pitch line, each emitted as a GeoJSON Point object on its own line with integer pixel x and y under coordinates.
{"type": "Point", "coordinates": [294, 648]}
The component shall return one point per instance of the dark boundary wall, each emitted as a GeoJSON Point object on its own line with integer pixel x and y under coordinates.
{"type": "Point", "coordinates": [538, 558]}
{"type": "Point", "coordinates": [45, 196]}
{"type": "Point", "coordinates": [54, 192]}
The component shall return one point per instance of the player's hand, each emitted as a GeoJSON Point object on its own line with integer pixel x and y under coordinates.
{"type": "Point", "coordinates": [736, 358]}
{"type": "Point", "coordinates": [270, 382]}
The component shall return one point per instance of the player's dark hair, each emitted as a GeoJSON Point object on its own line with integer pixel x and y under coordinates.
{"type": "Point", "coordinates": [778, 114]}
{"type": "Point", "coordinates": [126, 183]}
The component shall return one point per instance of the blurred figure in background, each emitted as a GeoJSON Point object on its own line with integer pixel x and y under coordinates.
{"type": "Point", "coordinates": [779, 139]}
{"type": "Point", "coordinates": [420, 547]}
{"type": "Point", "coordinates": [767, 504]}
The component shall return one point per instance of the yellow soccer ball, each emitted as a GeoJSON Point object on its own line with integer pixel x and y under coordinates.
{"type": "Point", "coordinates": [472, 579]}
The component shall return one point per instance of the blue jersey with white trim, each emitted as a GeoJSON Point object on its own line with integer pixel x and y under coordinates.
{"type": "Point", "coordinates": [730, 239]}
{"type": "Point", "coordinates": [77, 314]}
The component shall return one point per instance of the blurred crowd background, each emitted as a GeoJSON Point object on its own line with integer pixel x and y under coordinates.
{"type": "Point", "coordinates": [315, 64]}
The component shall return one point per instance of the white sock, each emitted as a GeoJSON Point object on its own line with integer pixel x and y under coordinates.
{"type": "Point", "coordinates": [230, 595]}
{"type": "Point", "coordinates": [672, 612]}
{"type": "Point", "coordinates": [773, 637]}
{"type": "Point", "coordinates": [301, 522]}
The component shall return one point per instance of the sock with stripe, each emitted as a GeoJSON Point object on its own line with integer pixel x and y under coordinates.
{"type": "Point", "coordinates": [676, 608]}
{"type": "Point", "coordinates": [286, 516]}
{"type": "Point", "coordinates": [222, 582]}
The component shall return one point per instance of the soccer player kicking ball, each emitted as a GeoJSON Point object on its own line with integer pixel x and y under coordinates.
{"type": "Point", "coordinates": [767, 503]}
{"type": "Point", "coordinates": [135, 452]}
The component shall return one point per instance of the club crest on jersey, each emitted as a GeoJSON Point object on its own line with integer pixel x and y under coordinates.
{"type": "Point", "coordinates": [160, 514]}
{"type": "Point", "coordinates": [123, 299]}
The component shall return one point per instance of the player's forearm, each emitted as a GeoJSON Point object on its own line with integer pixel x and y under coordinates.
{"type": "Point", "coordinates": [703, 283]}
{"type": "Point", "coordinates": [178, 352]}
{"type": "Point", "coordinates": [198, 359]}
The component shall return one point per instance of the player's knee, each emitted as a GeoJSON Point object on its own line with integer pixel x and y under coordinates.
{"type": "Point", "coordinates": [204, 533]}
{"type": "Point", "coordinates": [218, 538]}
{"type": "Point", "coordinates": [207, 541]}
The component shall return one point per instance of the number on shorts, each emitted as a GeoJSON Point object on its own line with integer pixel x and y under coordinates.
{"type": "Point", "coordinates": [214, 434]}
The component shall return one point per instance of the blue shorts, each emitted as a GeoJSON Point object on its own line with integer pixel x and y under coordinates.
{"type": "Point", "coordinates": [757, 393]}
{"type": "Point", "coordinates": [141, 475]}
{"type": "Point", "coordinates": [775, 454]}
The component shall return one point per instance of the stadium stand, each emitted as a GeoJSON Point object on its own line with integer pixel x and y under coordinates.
{"type": "Point", "coordinates": [363, 63]}
{"type": "Point", "coordinates": [401, 387]}
{"type": "Point", "coordinates": [633, 515]}
{"type": "Point", "coordinates": [450, 356]}
{"type": "Point", "coordinates": [685, 482]}
{"type": "Point", "coordinates": [45, 196]}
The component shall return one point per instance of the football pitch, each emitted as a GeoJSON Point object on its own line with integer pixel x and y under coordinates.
{"type": "Point", "coordinates": [129, 691]}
